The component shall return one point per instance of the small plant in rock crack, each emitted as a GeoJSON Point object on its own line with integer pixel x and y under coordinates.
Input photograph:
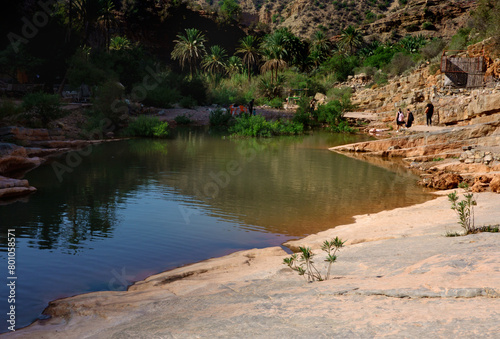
{"type": "Point", "coordinates": [464, 210]}
{"type": "Point", "coordinates": [303, 263]}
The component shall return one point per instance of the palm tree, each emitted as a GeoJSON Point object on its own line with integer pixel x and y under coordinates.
{"type": "Point", "coordinates": [350, 37]}
{"type": "Point", "coordinates": [87, 15]}
{"type": "Point", "coordinates": [215, 61]}
{"type": "Point", "coordinates": [119, 43]}
{"type": "Point", "coordinates": [189, 48]}
{"type": "Point", "coordinates": [234, 65]}
{"type": "Point", "coordinates": [248, 47]}
{"type": "Point", "coordinates": [107, 19]}
{"type": "Point", "coordinates": [320, 45]}
{"type": "Point", "coordinates": [274, 52]}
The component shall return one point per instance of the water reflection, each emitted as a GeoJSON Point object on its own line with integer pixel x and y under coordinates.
{"type": "Point", "coordinates": [136, 207]}
{"type": "Point", "coordinates": [292, 186]}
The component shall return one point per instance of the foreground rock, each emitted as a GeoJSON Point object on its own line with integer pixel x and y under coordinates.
{"type": "Point", "coordinates": [399, 276]}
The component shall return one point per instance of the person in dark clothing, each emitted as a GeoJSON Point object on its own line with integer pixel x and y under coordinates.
{"type": "Point", "coordinates": [429, 111]}
{"type": "Point", "coordinates": [409, 118]}
{"type": "Point", "coordinates": [250, 107]}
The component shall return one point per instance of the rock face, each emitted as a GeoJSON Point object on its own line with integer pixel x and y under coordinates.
{"type": "Point", "coordinates": [303, 17]}
{"type": "Point", "coordinates": [440, 155]}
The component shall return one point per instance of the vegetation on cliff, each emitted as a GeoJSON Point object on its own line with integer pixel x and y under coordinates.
{"type": "Point", "coordinates": [105, 45]}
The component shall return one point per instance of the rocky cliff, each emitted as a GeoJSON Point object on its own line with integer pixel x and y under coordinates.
{"type": "Point", "coordinates": [381, 19]}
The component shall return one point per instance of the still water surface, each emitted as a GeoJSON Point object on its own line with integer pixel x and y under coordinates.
{"type": "Point", "coordinates": [137, 207]}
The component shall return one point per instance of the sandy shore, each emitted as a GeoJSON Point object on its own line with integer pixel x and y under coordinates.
{"type": "Point", "coordinates": [398, 276]}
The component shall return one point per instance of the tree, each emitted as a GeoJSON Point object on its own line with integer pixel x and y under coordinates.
{"type": "Point", "coordinates": [274, 52]}
{"type": "Point", "coordinates": [229, 10]}
{"type": "Point", "coordinates": [87, 15]}
{"type": "Point", "coordinates": [351, 38]}
{"type": "Point", "coordinates": [119, 43]}
{"type": "Point", "coordinates": [107, 20]}
{"type": "Point", "coordinates": [320, 46]}
{"type": "Point", "coordinates": [215, 60]}
{"type": "Point", "coordinates": [234, 65]}
{"type": "Point", "coordinates": [189, 48]}
{"type": "Point", "coordinates": [248, 47]}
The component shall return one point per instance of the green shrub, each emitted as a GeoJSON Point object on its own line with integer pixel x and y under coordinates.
{"type": "Point", "coordinates": [196, 88]}
{"type": "Point", "coordinates": [188, 102]}
{"type": "Point", "coordinates": [459, 41]}
{"type": "Point", "coordinates": [145, 126]}
{"type": "Point", "coordinates": [341, 65]}
{"type": "Point", "coordinates": [219, 117]}
{"type": "Point", "coordinates": [306, 266]}
{"type": "Point", "coordinates": [342, 127]}
{"type": "Point", "coordinates": [400, 63]}
{"type": "Point", "coordinates": [8, 108]}
{"type": "Point", "coordinates": [433, 48]}
{"type": "Point", "coordinates": [257, 126]}
{"type": "Point", "coordinates": [429, 26]}
{"type": "Point", "coordinates": [42, 106]}
{"type": "Point", "coordinates": [162, 96]}
{"type": "Point", "coordinates": [381, 78]}
{"type": "Point", "coordinates": [108, 101]}
{"type": "Point", "coordinates": [412, 28]}
{"type": "Point", "coordinates": [272, 89]}
{"type": "Point", "coordinates": [303, 113]}
{"type": "Point", "coordinates": [224, 96]}
{"type": "Point", "coordinates": [183, 120]}
{"type": "Point", "coordinates": [95, 126]}
{"type": "Point", "coordinates": [381, 56]}
{"type": "Point", "coordinates": [464, 210]}
{"type": "Point", "coordinates": [276, 103]}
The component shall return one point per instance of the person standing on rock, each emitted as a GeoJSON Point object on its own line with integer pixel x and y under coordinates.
{"type": "Point", "coordinates": [429, 111]}
{"type": "Point", "coordinates": [400, 119]}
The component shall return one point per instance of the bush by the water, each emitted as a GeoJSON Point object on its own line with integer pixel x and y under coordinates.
{"type": "Point", "coordinates": [183, 120]}
{"type": "Point", "coordinates": [145, 126]}
{"type": "Point", "coordinates": [42, 107]}
{"type": "Point", "coordinates": [219, 117]}
{"type": "Point", "coordinates": [333, 115]}
{"type": "Point", "coordinates": [8, 108]}
{"type": "Point", "coordinates": [258, 126]}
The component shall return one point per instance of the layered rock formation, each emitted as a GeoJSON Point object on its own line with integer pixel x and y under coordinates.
{"type": "Point", "coordinates": [16, 160]}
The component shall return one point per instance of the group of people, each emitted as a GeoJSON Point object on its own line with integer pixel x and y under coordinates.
{"type": "Point", "coordinates": [241, 109]}
{"type": "Point", "coordinates": [401, 121]}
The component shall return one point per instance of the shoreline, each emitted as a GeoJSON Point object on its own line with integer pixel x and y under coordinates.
{"type": "Point", "coordinates": [199, 282]}
{"type": "Point", "coordinates": [414, 265]}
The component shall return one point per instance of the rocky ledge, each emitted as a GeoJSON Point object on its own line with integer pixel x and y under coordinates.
{"type": "Point", "coordinates": [38, 146]}
{"type": "Point", "coordinates": [445, 157]}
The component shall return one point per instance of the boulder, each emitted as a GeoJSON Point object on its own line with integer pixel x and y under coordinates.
{"type": "Point", "coordinates": [445, 181]}
{"type": "Point", "coordinates": [495, 184]}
